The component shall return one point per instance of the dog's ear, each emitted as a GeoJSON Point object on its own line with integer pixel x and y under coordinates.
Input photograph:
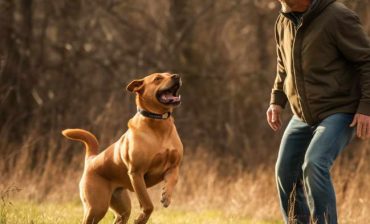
{"type": "Point", "coordinates": [135, 86]}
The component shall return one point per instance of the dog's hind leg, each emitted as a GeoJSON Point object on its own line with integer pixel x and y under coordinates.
{"type": "Point", "coordinates": [120, 203]}
{"type": "Point", "coordinates": [93, 214]}
{"type": "Point", "coordinates": [95, 195]}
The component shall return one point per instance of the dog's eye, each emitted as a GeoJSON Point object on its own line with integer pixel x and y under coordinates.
{"type": "Point", "coordinates": [158, 79]}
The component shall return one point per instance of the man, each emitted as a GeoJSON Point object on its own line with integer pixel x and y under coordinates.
{"type": "Point", "coordinates": [323, 70]}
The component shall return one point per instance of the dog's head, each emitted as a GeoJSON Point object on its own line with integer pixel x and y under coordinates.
{"type": "Point", "coordinates": [158, 92]}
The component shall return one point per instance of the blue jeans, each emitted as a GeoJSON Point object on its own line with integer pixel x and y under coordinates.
{"type": "Point", "coordinates": [305, 157]}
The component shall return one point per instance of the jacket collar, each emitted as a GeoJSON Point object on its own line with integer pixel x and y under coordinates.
{"type": "Point", "coordinates": [316, 7]}
{"type": "Point", "coordinates": [153, 115]}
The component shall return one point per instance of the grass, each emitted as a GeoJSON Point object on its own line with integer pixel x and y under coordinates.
{"type": "Point", "coordinates": [203, 195]}
{"type": "Point", "coordinates": [70, 213]}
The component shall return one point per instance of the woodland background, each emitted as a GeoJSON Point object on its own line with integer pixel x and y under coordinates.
{"type": "Point", "coordinates": [66, 63]}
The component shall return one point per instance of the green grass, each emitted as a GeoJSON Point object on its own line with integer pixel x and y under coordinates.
{"type": "Point", "coordinates": [70, 213]}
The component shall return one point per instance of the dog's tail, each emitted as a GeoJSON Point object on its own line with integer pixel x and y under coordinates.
{"type": "Point", "coordinates": [90, 141]}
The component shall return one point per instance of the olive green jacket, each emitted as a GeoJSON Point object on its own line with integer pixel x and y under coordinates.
{"type": "Point", "coordinates": [323, 63]}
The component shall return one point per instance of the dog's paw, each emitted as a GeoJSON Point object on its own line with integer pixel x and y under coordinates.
{"type": "Point", "coordinates": [142, 219]}
{"type": "Point", "coordinates": [165, 199]}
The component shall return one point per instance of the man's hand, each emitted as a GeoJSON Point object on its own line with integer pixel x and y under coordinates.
{"type": "Point", "coordinates": [274, 116]}
{"type": "Point", "coordinates": [363, 126]}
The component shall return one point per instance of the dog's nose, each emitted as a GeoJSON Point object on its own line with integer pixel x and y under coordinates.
{"type": "Point", "coordinates": [175, 76]}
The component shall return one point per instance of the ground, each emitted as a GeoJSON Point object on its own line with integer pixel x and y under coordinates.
{"type": "Point", "coordinates": [70, 213]}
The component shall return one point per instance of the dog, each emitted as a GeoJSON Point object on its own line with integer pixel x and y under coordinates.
{"type": "Point", "coordinates": [149, 152]}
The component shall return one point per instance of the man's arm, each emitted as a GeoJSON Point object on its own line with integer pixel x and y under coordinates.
{"type": "Point", "coordinates": [278, 98]}
{"type": "Point", "coordinates": [354, 44]}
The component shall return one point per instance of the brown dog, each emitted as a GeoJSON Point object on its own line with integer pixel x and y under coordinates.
{"type": "Point", "coordinates": [149, 152]}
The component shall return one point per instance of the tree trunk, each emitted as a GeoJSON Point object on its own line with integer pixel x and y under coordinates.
{"type": "Point", "coordinates": [15, 75]}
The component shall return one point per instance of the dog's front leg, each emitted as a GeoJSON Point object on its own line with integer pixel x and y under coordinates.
{"type": "Point", "coordinates": [170, 180]}
{"type": "Point", "coordinates": [138, 183]}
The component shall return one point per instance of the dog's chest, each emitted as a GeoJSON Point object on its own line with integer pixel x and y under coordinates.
{"type": "Point", "coordinates": [160, 163]}
{"type": "Point", "coordinates": [164, 159]}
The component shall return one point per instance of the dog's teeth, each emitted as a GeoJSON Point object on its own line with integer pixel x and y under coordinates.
{"type": "Point", "coordinates": [169, 98]}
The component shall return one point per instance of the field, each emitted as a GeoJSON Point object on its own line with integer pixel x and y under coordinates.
{"type": "Point", "coordinates": [197, 200]}
{"type": "Point", "coordinates": [70, 213]}
{"type": "Point", "coordinates": [241, 198]}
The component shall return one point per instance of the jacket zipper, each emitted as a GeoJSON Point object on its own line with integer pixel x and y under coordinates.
{"type": "Point", "coordinates": [302, 105]}
{"type": "Point", "coordinates": [296, 28]}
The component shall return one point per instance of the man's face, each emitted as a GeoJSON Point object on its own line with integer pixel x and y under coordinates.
{"type": "Point", "coordinates": [290, 5]}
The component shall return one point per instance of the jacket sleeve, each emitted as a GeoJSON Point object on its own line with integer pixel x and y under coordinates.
{"type": "Point", "coordinates": [354, 44]}
{"type": "Point", "coordinates": [277, 94]}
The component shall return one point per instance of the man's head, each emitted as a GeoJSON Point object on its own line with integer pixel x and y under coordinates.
{"type": "Point", "coordinates": [157, 93]}
{"type": "Point", "coordinates": [295, 5]}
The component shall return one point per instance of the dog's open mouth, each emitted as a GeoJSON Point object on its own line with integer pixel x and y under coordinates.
{"type": "Point", "coordinates": [170, 96]}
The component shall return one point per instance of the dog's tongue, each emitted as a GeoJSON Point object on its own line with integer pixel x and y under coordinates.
{"type": "Point", "coordinates": [169, 98]}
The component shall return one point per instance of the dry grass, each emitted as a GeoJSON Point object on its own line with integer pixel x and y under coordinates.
{"type": "Point", "coordinates": [207, 184]}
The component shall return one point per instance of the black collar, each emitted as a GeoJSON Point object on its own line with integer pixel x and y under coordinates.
{"type": "Point", "coordinates": [153, 115]}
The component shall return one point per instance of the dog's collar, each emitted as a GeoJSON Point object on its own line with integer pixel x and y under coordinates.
{"type": "Point", "coordinates": [153, 115]}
